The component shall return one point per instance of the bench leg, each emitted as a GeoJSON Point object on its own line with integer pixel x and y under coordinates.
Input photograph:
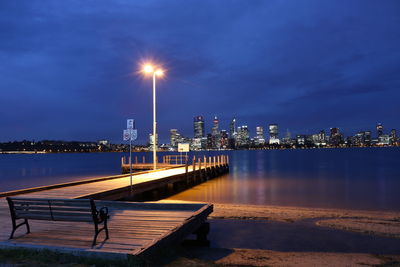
{"type": "Point", "coordinates": [15, 227]}
{"type": "Point", "coordinates": [96, 232]}
{"type": "Point", "coordinates": [106, 228]}
{"type": "Point", "coordinates": [28, 229]}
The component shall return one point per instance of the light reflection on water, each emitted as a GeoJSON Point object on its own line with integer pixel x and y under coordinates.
{"type": "Point", "coordinates": [364, 178]}
{"type": "Point", "coordinates": [367, 178]}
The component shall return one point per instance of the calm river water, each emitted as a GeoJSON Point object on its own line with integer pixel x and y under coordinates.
{"type": "Point", "coordinates": [356, 178]}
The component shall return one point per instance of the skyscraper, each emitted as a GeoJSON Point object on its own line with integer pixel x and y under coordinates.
{"type": "Point", "coordinates": [232, 127]}
{"type": "Point", "coordinates": [224, 139]}
{"type": "Point", "coordinates": [243, 136]}
{"type": "Point", "coordinates": [379, 129]}
{"type": "Point", "coordinates": [198, 125]}
{"type": "Point", "coordinates": [215, 128]}
{"type": "Point", "coordinates": [151, 140]}
{"type": "Point", "coordinates": [393, 136]}
{"type": "Point", "coordinates": [174, 136]}
{"type": "Point", "coordinates": [259, 140]}
{"type": "Point", "coordinates": [336, 137]}
{"type": "Point", "coordinates": [273, 134]}
{"type": "Point", "coordinates": [216, 142]}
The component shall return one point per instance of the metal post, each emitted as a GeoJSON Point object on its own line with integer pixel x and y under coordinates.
{"type": "Point", "coordinates": [130, 160]}
{"type": "Point", "coordinates": [154, 123]}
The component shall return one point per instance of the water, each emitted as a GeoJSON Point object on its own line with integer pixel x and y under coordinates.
{"type": "Point", "coordinates": [356, 178]}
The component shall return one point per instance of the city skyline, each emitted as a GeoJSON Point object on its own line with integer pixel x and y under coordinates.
{"type": "Point", "coordinates": [241, 136]}
{"type": "Point", "coordinates": [69, 70]}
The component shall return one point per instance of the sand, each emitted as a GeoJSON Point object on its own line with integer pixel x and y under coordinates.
{"type": "Point", "coordinates": [256, 257]}
{"type": "Point", "coordinates": [382, 223]}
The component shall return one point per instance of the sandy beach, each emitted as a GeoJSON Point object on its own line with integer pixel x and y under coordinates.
{"type": "Point", "coordinates": [369, 223]}
{"type": "Point", "coordinates": [383, 223]}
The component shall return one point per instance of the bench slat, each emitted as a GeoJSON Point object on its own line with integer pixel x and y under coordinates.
{"type": "Point", "coordinates": [53, 208]}
{"type": "Point", "coordinates": [24, 213]}
{"type": "Point", "coordinates": [53, 203]}
{"type": "Point", "coordinates": [48, 217]}
{"type": "Point", "coordinates": [51, 199]}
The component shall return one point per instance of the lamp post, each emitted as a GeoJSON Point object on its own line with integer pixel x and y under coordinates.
{"type": "Point", "coordinates": [150, 69]}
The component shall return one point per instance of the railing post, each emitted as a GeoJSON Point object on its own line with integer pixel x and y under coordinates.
{"type": "Point", "coordinates": [227, 160]}
{"type": "Point", "coordinates": [144, 160]}
{"type": "Point", "coordinates": [136, 160]}
{"type": "Point", "coordinates": [186, 167]}
{"type": "Point", "coordinates": [122, 161]}
{"type": "Point", "coordinates": [214, 161]}
{"type": "Point", "coordinates": [200, 171]}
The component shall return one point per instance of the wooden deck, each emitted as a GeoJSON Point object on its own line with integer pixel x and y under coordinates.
{"type": "Point", "coordinates": [136, 229]}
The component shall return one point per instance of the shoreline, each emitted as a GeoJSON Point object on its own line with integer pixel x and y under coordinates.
{"type": "Point", "coordinates": [380, 223]}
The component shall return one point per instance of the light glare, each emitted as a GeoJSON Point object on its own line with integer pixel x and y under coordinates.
{"type": "Point", "coordinates": [159, 72]}
{"type": "Point", "coordinates": [148, 68]}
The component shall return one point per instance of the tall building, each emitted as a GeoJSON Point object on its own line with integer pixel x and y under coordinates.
{"type": "Point", "coordinates": [393, 136]}
{"type": "Point", "coordinates": [216, 142]}
{"type": "Point", "coordinates": [243, 136]}
{"type": "Point", "coordinates": [287, 140]}
{"type": "Point", "coordinates": [174, 137]}
{"type": "Point", "coordinates": [367, 137]}
{"type": "Point", "coordinates": [198, 125]}
{"type": "Point", "coordinates": [232, 128]}
{"type": "Point", "coordinates": [379, 129]}
{"type": "Point", "coordinates": [215, 128]}
{"type": "Point", "coordinates": [151, 141]}
{"type": "Point", "coordinates": [224, 139]}
{"type": "Point", "coordinates": [273, 134]}
{"type": "Point", "coordinates": [259, 139]}
{"type": "Point", "coordinates": [336, 137]}
{"type": "Point", "coordinates": [232, 134]}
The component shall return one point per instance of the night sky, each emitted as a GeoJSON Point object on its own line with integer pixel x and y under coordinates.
{"type": "Point", "coordinates": [69, 69]}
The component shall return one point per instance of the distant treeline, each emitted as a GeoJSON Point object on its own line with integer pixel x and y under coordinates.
{"type": "Point", "coordinates": [58, 146]}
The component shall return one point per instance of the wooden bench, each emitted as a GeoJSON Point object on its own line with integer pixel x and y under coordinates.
{"type": "Point", "coordinates": [75, 210]}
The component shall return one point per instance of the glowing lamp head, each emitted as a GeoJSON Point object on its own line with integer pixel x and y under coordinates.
{"type": "Point", "coordinates": [148, 68]}
{"type": "Point", "coordinates": [159, 72]}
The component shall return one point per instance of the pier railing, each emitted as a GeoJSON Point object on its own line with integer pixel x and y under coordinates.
{"type": "Point", "coordinates": [174, 161]}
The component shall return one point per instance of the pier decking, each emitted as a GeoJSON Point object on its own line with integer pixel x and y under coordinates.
{"type": "Point", "coordinates": [136, 229]}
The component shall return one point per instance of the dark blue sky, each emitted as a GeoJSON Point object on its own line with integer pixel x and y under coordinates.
{"type": "Point", "coordinates": [69, 68]}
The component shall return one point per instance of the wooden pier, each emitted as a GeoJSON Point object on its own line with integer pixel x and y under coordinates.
{"type": "Point", "coordinates": [136, 229]}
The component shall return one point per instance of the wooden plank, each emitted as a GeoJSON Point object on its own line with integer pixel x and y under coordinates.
{"type": "Point", "coordinates": [179, 233]}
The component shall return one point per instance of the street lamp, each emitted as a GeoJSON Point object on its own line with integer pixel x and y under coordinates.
{"type": "Point", "coordinates": [155, 71]}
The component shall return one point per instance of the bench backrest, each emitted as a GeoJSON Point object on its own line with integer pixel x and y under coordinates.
{"type": "Point", "coordinates": [82, 210]}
